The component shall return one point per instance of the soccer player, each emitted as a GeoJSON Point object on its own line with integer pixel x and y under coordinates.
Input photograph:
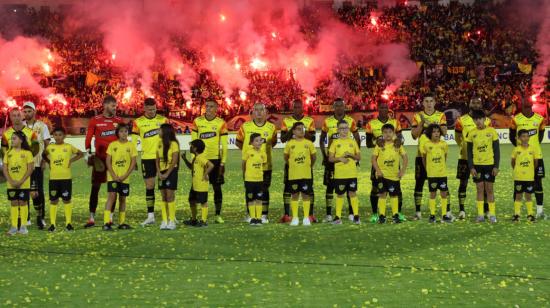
{"type": "Point", "coordinates": [344, 153]}
{"type": "Point", "coordinates": [434, 156]}
{"type": "Point", "coordinates": [253, 161]}
{"type": "Point", "coordinates": [37, 178]}
{"type": "Point", "coordinates": [483, 161]}
{"type": "Point", "coordinates": [101, 129]}
{"type": "Point", "coordinates": [390, 163]}
{"type": "Point", "coordinates": [60, 156]}
{"type": "Point", "coordinates": [300, 155]}
{"type": "Point", "coordinates": [146, 128]}
{"type": "Point", "coordinates": [121, 161]}
{"type": "Point", "coordinates": [286, 135]}
{"type": "Point", "coordinates": [200, 168]}
{"type": "Point", "coordinates": [525, 158]}
{"type": "Point", "coordinates": [374, 137]}
{"type": "Point", "coordinates": [16, 116]}
{"type": "Point", "coordinates": [329, 133]}
{"type": "Point", "coordinates": [268, 132]}
{"type": "Point", "coordinates": [421, 121]}
{"type": "Point", "coordinates": [18, 167]}
{"type": "Point", "coordinates": [463, 126]}
{"type": "Point", "coordinates": [167, 161]}
{"type": "Point", "coordinates": [535, 124]}
{"type": "Point", "coordinates": [212, 130]}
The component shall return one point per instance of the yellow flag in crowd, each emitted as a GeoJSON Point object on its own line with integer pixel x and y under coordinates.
{"type": "Point", "coordinates": [525, 68]}
{"type": "Point", "coordinates": [91, 79]}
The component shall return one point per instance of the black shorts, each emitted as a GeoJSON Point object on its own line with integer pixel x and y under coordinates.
{"type": "Point", "coordinates": [61, 189]}
{"type": "Point", "coordinates": [301, 186]}
{"type": "Point", "coordinates": [393, 188]}
{"type": "Point", "coordinates": [37, 179]}
{"type": "Point", "coordinates": [462, 170]}
{"type": "Point", "coordinates": [435, 184]}
{"type": "Point", "coordinates": [149, 168]}
{"type": "Point", "coordinates": [214, 177]}
{"type": "Point", "coordinates": [341, 186]}
{"type": "Point", "coordinates": [527, 187]}
{"type": "Point", "coordinates": [200, 197]}
{"type": "Point", "coordinates": [420, 170]}
{"type": "Point", "coordinates": [328, 176]}
{"type": "Point", "coordinates": [484, 174]}
{"type": "Point", "coordinates": [254, 191]}
{"type": "Point", "coordinates": [539, 171]}
{"type": "Point", "coordinates": [285, 180]}
{"type": "Point", "coordinates": [18, 195]}
{"type": "Point", "coordinates": [267, 179]}
{"type": "Point", "coordinates": [121, 189]}
{"type": "Point", "coordinates": [171, 181]}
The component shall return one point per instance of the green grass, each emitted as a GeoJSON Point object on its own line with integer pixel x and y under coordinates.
{"type": "Point", "coordinates": [233, 264]}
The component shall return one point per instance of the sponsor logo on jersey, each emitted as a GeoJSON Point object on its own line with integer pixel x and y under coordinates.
{"type": "Point", "coordinates": [151, 133]}
{"type": "Point", "coordinates": [207, 135]}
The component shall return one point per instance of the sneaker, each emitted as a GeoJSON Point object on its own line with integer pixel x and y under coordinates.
{"type": "Point", "coordinates": [295, 221]}
{"type": "Point", "coordinates": [446, 219]}
{"type": "Point", "coordinates": [264, 219]}
{"type": "Point", "coordinates": [191, 222]}
{"type": "Point", "coordinates": [306, 221]}
{"type": "Point", "coordinates": [381, 219]}
{"type": "Point", "coordinates": [107, 227]}
{"type": "Point", "coordinates": [374, 218]}
{"type": "Point", "coordinates": [312, 219]}
{"type": "Point", "coordinates": [493, 219]}
{"type": "Point", "coordinates": [285, 219]}
{"type": "Point", "coordinates": [258, 222]}
{"type": "Point", "coordinates": [541, 216]}
{"type": "Point", "coordinates": [396, 219]}
{"type": "Point", "coordinates": [51, 228]}
{"type": "Point", "coordinates": [247, 219]}
{"type": "Point", "coordinates": [356, 220]}
{"type": "Point", "coordinates": [164, 225]}
{"type": "Point", "coordinates": [40, 223]}
{"type": "Point", "coordinates": [12, 231]}
{"type": "Point", "coordinates": [149, 221]}
{"type": "Point", "coordinates": [515, 218]}
{"type": "Point", "coordinates": [29, 222]}
{"type": "Point", "coordinates": [124, 227]}
{"type": "Point", "coordinates": [23, 230]}
{"type": "Point", "coordinates": [171, 225]}
{"type": "Point", "coordinates": [202, 224]}
{"type": "Point", "coordinates": [461, 215]}
{"type": "Point", "coordinates": [337, 221]}
{"type": "Point", "coordinates": [417, 216]}
{"type": "Point", "coordinates": [480, 219]}
{"type": "Point", "coordinates": [450, 217]}
{"type": "Point", "coordinates": [218, 219]}
{"type": "Point", "coordinates": [328, 218]}
{"type": "Point", "coordinates": [69, 227]}
{"type": "Point", "coordinates": [350, 217]}
{"type": "Point", "coordinates": [89, 224]}
{"type": "Point", "coordinates": [402, 217]}
{"type": "Point", "coordinates": [432, 219]}
{"type": "Point", "coordinates": [531, 218]}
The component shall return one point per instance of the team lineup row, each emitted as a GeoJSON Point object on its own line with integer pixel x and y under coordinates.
{"type": "Point", "coordinates": [115, 158]}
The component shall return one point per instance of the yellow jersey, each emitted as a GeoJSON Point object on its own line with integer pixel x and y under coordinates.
{"type": "Point", "coordinates": [199, 163]}
{"type": "Point", "coordinates": [148, 132]}
{"type": "Point", "coordinates": [121, 158]}
{"type": "Point", "coordinates": [214, 134]}
{"type": "Point", "coordinates": [29, 133]}
{"type": "Point", "coordinates": [255, 160]}
{"type": "Point", "coordinates": [299, 160]}
{"type": "Point", "coordinates": [388, 159]}
{"type": "Point", "coordinates": [338, 148]}
{"type": "Point", "coordinates": [60, 156]}
{"type": "Point", "coordinates": [434, 118]}
{"type": "Point", "coordinates": [533, 125]}
{"type": "Point", "coordinates": [18, 164]}
{"type": "Point", "coordinates": [525, 157]}
{"type": "Point", "coordinates": [268, 131]}
{"type": "Point", "coordinates": [436, 158]}
{"type": "Point", "coordinates": [309, 124]}
{"type": "Point", "coordinates": [165, 164]}
{"type": "Point", "coordinates": [374, 127]}
{"type": "Point", "coordinates": [330, 127]}
{"type": "Point", "coordinates": [464, 125]}
{"type": "Point", "coordinates": [482, 141]}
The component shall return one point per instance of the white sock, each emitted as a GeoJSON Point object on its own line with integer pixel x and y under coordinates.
{"type": "Point", "coordinates": [111, 216]}
{"type": "Point", "coordinates": [92, 216]}
{"type": "Point", "coordinates": [150, 215]}
{"type": "Point", "coordinates": [539, 209]}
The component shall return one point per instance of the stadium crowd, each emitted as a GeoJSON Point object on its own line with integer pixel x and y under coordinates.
{"type": "Point", "coordinates": [460, 50]}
